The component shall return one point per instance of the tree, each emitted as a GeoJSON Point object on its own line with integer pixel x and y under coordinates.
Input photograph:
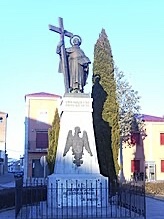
{"type": "Point", "coordinates": [53, 134]}
{"type": "Point", "coordinates": [130, 119]}
{"type": "Point", "coordinates": [103, 66]}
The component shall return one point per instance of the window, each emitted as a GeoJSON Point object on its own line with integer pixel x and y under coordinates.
{"type": "Point", "coordinates": [161, 138]}
{"type": "Point", "coordinates": [135, 166]}
{"type": "Point", "coordinates": [135, 138]}
{"type": "Point", "coordinates": [162, 166]}
{"type": "Point", "coordinates": [42, 139]}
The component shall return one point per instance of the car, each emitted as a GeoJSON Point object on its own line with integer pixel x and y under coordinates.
{"type": "Point", "coordinates": [18, 174]}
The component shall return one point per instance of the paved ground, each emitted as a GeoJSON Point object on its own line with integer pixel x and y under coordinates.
{"type": "Point", "coordinates": [155, 210]}
{"type": "Point", "coordinates": [7, 180]}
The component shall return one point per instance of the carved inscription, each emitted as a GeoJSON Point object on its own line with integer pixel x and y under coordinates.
{"type": "Point", "coordinates": [79, 194]}
{"type": "Point", "coordinates": [74, 103]}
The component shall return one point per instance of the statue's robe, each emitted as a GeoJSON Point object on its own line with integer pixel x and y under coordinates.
{"type": "Point", "coordinates": [78, 71]}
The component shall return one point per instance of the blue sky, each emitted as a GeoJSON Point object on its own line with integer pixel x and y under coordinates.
{"type": "Point", "coordinates": [29, 63]}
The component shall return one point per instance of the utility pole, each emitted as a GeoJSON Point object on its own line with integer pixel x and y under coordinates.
{"type": "Point", "coordinates": [3, 120]}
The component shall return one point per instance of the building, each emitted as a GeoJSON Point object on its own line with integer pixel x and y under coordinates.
{"type": "Point", "coordinates": [146, 157]}
{"type": "Point", "coordinates": [3, 134]}
{"type": "Point", "coordinates": [40, 111]}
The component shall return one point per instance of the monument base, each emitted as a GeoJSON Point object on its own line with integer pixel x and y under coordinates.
{"type": "Point", "coordinates": [76, 185]}
{"type": "Point", "coordinates": [71, 191]}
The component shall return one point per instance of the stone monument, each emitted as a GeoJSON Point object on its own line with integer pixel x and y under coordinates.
{"type": "Point", "coordinates": [76, 181]}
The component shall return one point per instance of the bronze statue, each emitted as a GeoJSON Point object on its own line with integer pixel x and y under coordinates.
{"type": "Point", "coordinates": [77, 143]}
{"type": "Point", "coordinates": [78, 64]}
{"type": "Point", "coordinates": [74, 64]}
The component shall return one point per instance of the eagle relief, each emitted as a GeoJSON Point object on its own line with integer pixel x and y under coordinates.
{"type": "Point", "coordinates": [78, 144]}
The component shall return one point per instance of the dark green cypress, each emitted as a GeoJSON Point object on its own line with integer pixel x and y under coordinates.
{"type": "Point", "coordinates": [53, 135]}
{"type": "Point", "coordinates": [105, 107]}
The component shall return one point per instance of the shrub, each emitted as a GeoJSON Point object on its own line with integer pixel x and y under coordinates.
{"type": "Point", "coordinates": [7, 198]}
{"type": "Point", "coordinates": [154, 188]}
{"type": "Point", "coordinates": [26, 195]}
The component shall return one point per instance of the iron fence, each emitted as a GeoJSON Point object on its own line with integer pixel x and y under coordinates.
{"type": "Point", "coordinates": [80, 201]}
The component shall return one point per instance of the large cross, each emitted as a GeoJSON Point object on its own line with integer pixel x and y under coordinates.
{"type": "Point", "coordinates": [63, 33]}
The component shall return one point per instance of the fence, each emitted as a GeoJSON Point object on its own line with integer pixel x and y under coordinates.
{"type": "Point", "coordinates": [38, 201]}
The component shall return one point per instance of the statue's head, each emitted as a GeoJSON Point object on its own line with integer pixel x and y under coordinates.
{"type": "Point", "coordinates": [75, 40]}
{"type": "Point", "coordinates": [96, 78]}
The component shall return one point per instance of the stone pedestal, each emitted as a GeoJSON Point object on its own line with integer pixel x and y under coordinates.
{"type": "Point", "coordinates": [76, 180]}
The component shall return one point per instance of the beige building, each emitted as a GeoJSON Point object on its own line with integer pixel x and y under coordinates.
{"type": "Point", "coordinates": [3, 134]}
{"type": "Point", "coordinates": [40, 111]}
{"type": "Point", "coordinates": [147, 155]}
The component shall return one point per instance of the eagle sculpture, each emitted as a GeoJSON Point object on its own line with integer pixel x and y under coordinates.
{"type": "Point", "coordinates": [77, 143]}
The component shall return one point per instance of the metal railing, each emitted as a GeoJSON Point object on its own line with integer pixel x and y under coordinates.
{"type": "Point", "coordinates": [79, 201]}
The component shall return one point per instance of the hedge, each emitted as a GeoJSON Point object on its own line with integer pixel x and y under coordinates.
{"type": "Point", "coordinates": [30, 195]}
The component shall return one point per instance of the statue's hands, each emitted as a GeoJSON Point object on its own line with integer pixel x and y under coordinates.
{"type": "Point", "coordinates": [58, 49]}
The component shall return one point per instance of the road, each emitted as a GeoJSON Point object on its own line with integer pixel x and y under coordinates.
{"type": "Point", "coordinates": [154, 208]}
{"type": "Point", "coordinates": [7, 180]}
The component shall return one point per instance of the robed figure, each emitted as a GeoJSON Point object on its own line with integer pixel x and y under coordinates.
{"type": "Point", "coordinates": [77, 64]}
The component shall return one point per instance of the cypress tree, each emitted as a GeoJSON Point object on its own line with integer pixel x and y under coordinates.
{"type": "Point", "coordinates": [53, 134]}
{"type": "Point", "coordinates": [104, 67]}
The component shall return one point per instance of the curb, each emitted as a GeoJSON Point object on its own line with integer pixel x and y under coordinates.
{"type": "Point", "coordinates": [6, 209]}
{"type": "Point", "coordinates": [158, 197]}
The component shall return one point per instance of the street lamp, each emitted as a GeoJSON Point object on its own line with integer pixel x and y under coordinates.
{"type": "Point", "coordinates": [6, 161]}
{"type": "Point", "coordinates": [5, 134]}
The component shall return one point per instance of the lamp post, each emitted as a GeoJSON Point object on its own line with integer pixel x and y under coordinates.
{"type": "Point", "coordinates": [5, 135]}
{"type": "Point", "coordinates": [6, 161]}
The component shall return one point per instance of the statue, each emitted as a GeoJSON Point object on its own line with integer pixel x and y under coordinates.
{"type": "Point", "coordinates": [74, 64]}
{"type": "Point", "coordinates": [77, 143]}
{"type": "Point", "coordinates": [78, 64]}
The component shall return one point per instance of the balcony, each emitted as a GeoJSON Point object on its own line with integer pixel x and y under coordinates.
{"type": "Point", "coordinates": [37, 146]}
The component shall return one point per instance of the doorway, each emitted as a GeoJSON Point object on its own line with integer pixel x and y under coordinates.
{"type": "Point", "coordinates": [150, 170]}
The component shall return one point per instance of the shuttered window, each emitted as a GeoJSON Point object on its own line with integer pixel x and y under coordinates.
{"type": "Point", "coordinates": [161, 138]}
{"type": "Point", "coordinates": [162, 166]}
{"type": "Point", "coordinates": [42, 139]}
{"type": "Point", "coordinates": [135, 166]}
